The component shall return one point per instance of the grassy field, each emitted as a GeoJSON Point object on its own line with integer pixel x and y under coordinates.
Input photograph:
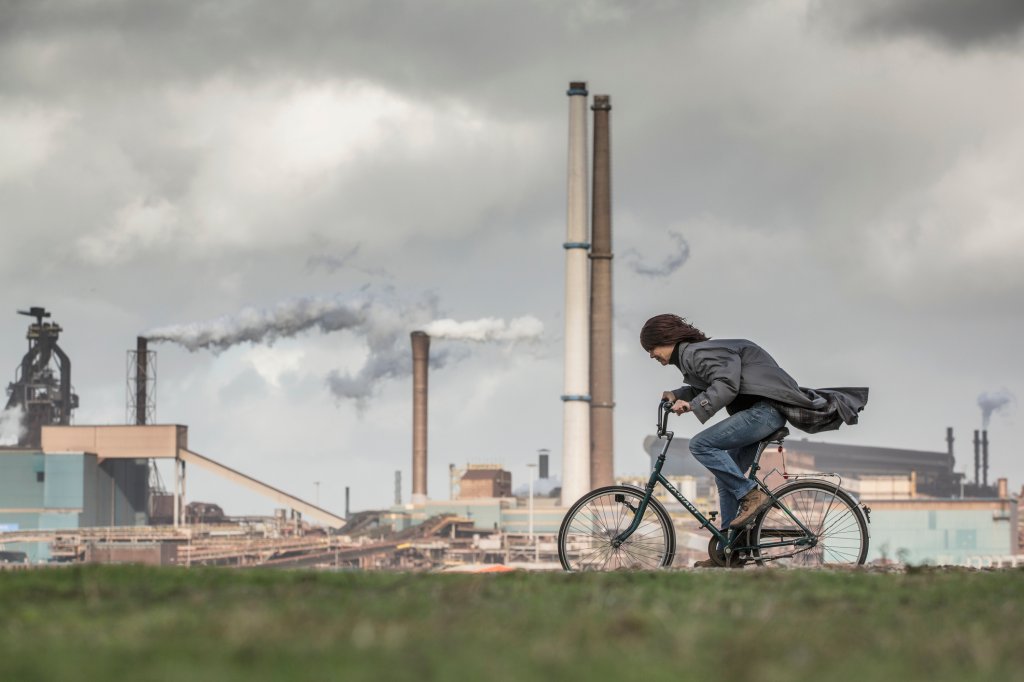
{"type": "Point", "coordinates": [132, 623]}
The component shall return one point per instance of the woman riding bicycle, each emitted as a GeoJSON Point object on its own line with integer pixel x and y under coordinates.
{"type": "Point", "coordinates": [759, 396]}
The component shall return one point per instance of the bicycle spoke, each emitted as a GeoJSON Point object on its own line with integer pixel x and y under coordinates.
{"type": "Point", "coordinates": [836, 528]}
{"type": "Point", "coordinates": [586, 540]}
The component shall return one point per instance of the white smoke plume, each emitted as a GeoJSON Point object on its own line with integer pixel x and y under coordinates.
{"type": "Point", "coordinates": [991, 402]}
{"type": "Point", "coordinates": [672, 262]}
{"type": "Point", "coordinates": [12, 425]}
{"type": "Point", "coordinates": [488, 329]}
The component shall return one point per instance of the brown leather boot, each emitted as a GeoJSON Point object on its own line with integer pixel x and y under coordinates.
{"type": "Point", "coordinates": [752, 504]}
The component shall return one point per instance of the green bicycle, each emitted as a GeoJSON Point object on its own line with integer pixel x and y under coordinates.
{"type": "Point", "coordinates": [812, 522]}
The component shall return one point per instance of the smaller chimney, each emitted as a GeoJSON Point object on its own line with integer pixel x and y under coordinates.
{"type": "Point", "coordinates": [542, 463]}
{"type": "Point", "coordinates": [346, 502]}
{"type": "Point", "coordinates": [398, 487]}
{"type": "Point", "coordinates": [420, 362]}
{"type": "Point", "coordinates": [1003, 487]}
{"type": "Point", "coordinates": [984, 458]}
{"type": "Point", "coordinates": [949, 446]}
{"type": "Point", "coordinates": [977, 458]}
{"type": "Point", "coordinates": [141, 371]}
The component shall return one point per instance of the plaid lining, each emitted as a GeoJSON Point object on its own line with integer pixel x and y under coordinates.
{"type": "Point", "coordinates": [808, 420]}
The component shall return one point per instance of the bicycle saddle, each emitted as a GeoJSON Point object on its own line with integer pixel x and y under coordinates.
{"type": "Point", "coordinates": [778, 436]}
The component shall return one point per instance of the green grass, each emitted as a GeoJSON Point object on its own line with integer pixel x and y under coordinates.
{"type": "Point", "coordinates": [132, 623]}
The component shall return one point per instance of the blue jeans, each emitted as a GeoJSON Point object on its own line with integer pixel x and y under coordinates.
{"type": "Point", "coordinates": [727, 449]}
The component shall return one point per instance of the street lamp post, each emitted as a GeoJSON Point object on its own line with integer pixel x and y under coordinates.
{"type": "Point", "coordinates": [533, 538]}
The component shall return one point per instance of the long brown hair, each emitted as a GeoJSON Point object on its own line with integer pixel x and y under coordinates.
{"type": "Point", "coordinates": [668, 330]}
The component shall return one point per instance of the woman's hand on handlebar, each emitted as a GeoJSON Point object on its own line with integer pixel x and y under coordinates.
{"type": "Point", "coordinates": [680, 407]}
{"type": "Point", "coordinates": [675, 405]}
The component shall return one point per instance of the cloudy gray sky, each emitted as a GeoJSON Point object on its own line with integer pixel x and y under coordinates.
{"type": "Point", "coordinates": [838, 181]}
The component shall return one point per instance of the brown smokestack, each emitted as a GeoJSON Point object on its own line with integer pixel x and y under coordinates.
{"type": "Point", "coordinates": [984, 458]}
{"type": "Point", "coordinates": [420, 361]}
{"type": "Point", "coordinates": [141, 372]}
{"type": "Point", "coordinates": [602, 397]}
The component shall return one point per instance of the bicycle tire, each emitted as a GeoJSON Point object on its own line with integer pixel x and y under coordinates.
{"type": "Point", "coordinates": [584, 538]}
{"type": "Point", "coordinates": [838, 522]}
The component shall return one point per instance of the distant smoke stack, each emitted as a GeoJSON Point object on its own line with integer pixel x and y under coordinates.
{"type": "Point", "coordinates": [1002, 489]}
{"type": "Point", "coordinates": [542, 464]}
{"type": "Point", "coordinates": [977, 458]}
{"type": "Point", "coordinates": [398, 487]}
{"type": "Point", "coordinates": [141, 371]}
{"type": "Point", "coordinates": [984, 458]}
{"type": "Point", "coordinates": [949, 445]}
{"type": "Point", "coordinates": [575, 399]}
{"type": "Point", "coordinates": [602, 402]}
{"type": "Point", "coordinates": [346, 502]}
{"type": "Point", "coordinates": [420, 362]}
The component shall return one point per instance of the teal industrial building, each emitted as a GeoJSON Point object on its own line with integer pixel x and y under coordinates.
{"type": "Point", "coordinates": [70, 490]}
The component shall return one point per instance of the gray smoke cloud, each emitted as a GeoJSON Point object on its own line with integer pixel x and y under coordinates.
{"type": "Point", "coordinates": [332, 264]}
{"type": "Point", "coordinates": [992, 402]}
{"type": "Point", "coordinates": [391, 358]}
{"type": "Point", "coordinates": [387, 361]}
{"type": "Point", "coordinates": [12, 425]}
{"type": "Point", "coordinates": [365, 312]}
{"type": "Point", "coordinates": [381, 319]}
{"type": "Point", "coordinates": [672, 262]}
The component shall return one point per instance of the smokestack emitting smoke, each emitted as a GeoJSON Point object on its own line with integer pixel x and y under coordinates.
{"type": "Point", "coordinates": [991, 402]}
{"type": "Point", "coordinates": [420, 360]}
{"type": "Point", "coordinates": [575, 410]}
{"type": "Point", "coordinates": [672, 262]}
{"type": "Point", "coordinates": [602, 402]}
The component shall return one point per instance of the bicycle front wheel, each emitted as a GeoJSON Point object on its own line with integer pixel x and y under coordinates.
{"type": "Point", "coordinates": [839, 529]}
{"type": "Point", "coordinates": [597, 518]}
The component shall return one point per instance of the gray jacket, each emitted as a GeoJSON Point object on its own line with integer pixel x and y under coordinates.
{"type": "Point", "coordinates": [718, 370]}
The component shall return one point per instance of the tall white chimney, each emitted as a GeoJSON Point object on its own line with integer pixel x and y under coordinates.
{"type": "Point", "coordinates": [576, 400]}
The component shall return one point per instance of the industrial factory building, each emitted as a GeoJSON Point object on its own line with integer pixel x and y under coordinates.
{"type": "Point", "coordinates": [74, 492]}
{"type": "Point", "coordinates": [60, 480]}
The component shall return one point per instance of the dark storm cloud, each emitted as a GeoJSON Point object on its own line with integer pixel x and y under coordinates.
{"type": "Point", "coordinates": [957, 24]}
{"type": "Point", "coordinates": [461, 48]}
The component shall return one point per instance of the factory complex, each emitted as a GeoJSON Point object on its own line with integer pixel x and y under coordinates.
{"type": "Point", "coordinates": [92, 493]}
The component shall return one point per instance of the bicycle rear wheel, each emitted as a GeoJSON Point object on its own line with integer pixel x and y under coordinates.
{"type": "Point", "coordinates": [585, 538]}
{"type": "Point", "coordinates": [838, 525]}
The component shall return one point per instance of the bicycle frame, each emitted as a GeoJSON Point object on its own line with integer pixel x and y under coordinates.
{"type": "Point", "coordinates": [730, 537]}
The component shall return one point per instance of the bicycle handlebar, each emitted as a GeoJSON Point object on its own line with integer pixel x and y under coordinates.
{"type": "Point", "coordinates": [664, 410]}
